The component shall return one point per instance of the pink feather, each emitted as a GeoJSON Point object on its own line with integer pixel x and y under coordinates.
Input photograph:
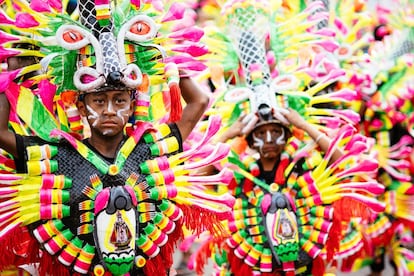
{"type": "Point", "coordinates": [4, 38]}
{"type": "Point", "coordinates": [347, 115]}
{"type": "Point", "coordinates": [356, 150]}
{"type": "Point", "coordinates": [175, 12]}
{"type": "Point", "coordinates": [330, 122]}
{"type": "Point", "coordinates": [9, 178]}
{"type": "Point", "coordinates": [47, 92]}
{"type": "Point", "coordinates": [9, 205]}
{"type": "Point", "coordinates": [213, 126]}
{"type": "Point", "coordinates": [193, 66]}
{"type": "Point", "coordinates": [373, 188]}
{"type": "Point", "coordinates": [6, 80]}
{"type": "Point", "coordinates": [325, 32]}
{"type": "Point", "coordinates": [345, 131]}
{"type": "Point", "coordinates": [221, 151]}
{"type": "Point", "coordinates": [190, 34]}
{"type": "Point", "coordinates": [372, 203]}
{"type": "Point", "coordinates": [368, 166]}
{"type": "Point", "coordinates": [225, 199]}
{"type": "Point", "coordinates": [40, 6]}
{"type": "Point", "coordinates": [193, 50]}
{"type": "Point", "coordinates": [7, 217]}
{"type": "Point", "coordinates": [25, 20]}
{"type": "Point", "coordinates": [56, 5]}
{"type": "Point", "coordinates": [6, 53]}
{"type": "Point", "coordinates": [7, 192]}
{"type": "Point", "coordinates": [396, 174]}
{"type": "Point", "coordinates": [187, 243]}
{"type": "Point", "coordinates": [4, 19]}
{"type": "Point", "coordinates": [341, 26]}
{"type": "Point", "coordinates": [223, 177]}
{"type": "Point", "coordinates": [180, 59]}
{"type": "Point", "coordinates": [343, 94]}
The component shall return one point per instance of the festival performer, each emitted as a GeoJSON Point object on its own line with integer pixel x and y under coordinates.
{"type": "Point", "coordinates": [378, 62]}
{"type": "Point", "coordinates": [113, 202]}
{"type": "Point", "coordinates": [292, 192]}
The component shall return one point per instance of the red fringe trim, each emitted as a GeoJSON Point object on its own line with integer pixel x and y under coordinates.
{"type": "Point", "coordinates": [238, 266]}
{"type": "Point", "coordinates": [198, 220]}
{"type": "Point", "coordinates": [348, 263]}
{"type": "Point", "coordinates": [49, 265]}
{"type": "Point", "coordinates": [318, 266]}
{"type": "Point", "coordinates": [334, 238]}
{"type": "Point", "coordinates": [280, 172]}
{"type": "Point", "coordinates": [164, 260]}
{"type": "Point", "coordinates": [166, 253]}
{"type": "Point", "coordinates": [18, 248]}
{"type": "Point", "coordinates": [247, 185]}
{"type": "Point", "coordinates": [233, 184]}
{"type": "Point", "coordinates": [201, 257]}
{"type": "Point", "coordinates": [155, 266]}
{"type": "Point", "coordinates": [385, 238]}
{"type": "Point", "coordinates": [345, 213]}
{"type": "Point", "coordinates": [204, 252]}
{"type": "Point", "coordinates": [176, 107]}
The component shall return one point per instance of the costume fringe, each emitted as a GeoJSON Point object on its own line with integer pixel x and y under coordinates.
{"type": "Point", "coordinates": [344, 211]}
{"type": "Point", "coordinates": [385, 238]}
{"type": "Point", "coordinates": [334, 238]}
{"type": "Point", "coordinates": [247, 186]}
{"type": "Point", "coordinates": [167, 252]}
{"type": "Point", "coordinates": [24, 249]}
{"type": "Point", "coordinates": [198, 220]}
{"type": "Point", "coordinates": [348, 263]}
{"type": "Point", "coordinates": [49, 265]}
{"type": "Point", "coordinates": [318, 266]}
{"type": "Point", "coordinates": [176, 107]}
{"type": "Point", "coordinates": [237, 265]}
{"type": "Point", "coordinates": [202, 256]}
{"type": "Point", "coordinates": [154, 266]}
{"type": "Point", "coordinates": [204, 252]}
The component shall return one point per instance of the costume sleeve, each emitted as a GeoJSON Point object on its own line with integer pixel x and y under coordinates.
{"type": "Point", "coordinates": [176, 133]}
{"type": "Point", "coordinates": [20, 160]}
{"type": "Point", "coordinates": [21, 144]}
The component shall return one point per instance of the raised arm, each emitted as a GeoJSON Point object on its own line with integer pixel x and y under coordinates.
{"type": "Point", "coordinates": [196, 103]}
{"type": "Point", "coordinates": [7, 138]}
{"type": "Point", "coordinates": [320, 138]}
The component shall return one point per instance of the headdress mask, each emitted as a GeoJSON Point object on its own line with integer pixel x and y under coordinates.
{"type": "Point", "coordinates": [248, 35]}
{"type": "Point", "coordinates": [102, 61]}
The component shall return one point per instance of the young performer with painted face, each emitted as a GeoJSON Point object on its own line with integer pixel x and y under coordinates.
{"type": "Point", "coordinates": [303, 160]}
{"type": "Point", "coordinates": [103, 203]}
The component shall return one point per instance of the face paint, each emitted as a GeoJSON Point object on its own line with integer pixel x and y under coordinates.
{"type": "Point", "coordinates": [270, 136]}
{"type": "Point", "coordinates": [110, 107]}
{"type": "Point", "coordinates": [258, 142]}
{"type": "Point", "coordinates": [281, 139]}
{"type": "Point", "coordinates": [93, 115]}
{"type": "Point", "coordinates": [122, 115]}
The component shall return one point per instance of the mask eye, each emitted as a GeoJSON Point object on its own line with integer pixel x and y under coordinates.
{"type": "Point", "coordinates": [140, 28]}
{"type": "Point", "coordinates": [72, 36]}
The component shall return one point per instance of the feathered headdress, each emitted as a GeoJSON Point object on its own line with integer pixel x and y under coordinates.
{"type": "Point", "coordinates": [102, 46]}
{"type": "Point", "coordinates": [128, 45]}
